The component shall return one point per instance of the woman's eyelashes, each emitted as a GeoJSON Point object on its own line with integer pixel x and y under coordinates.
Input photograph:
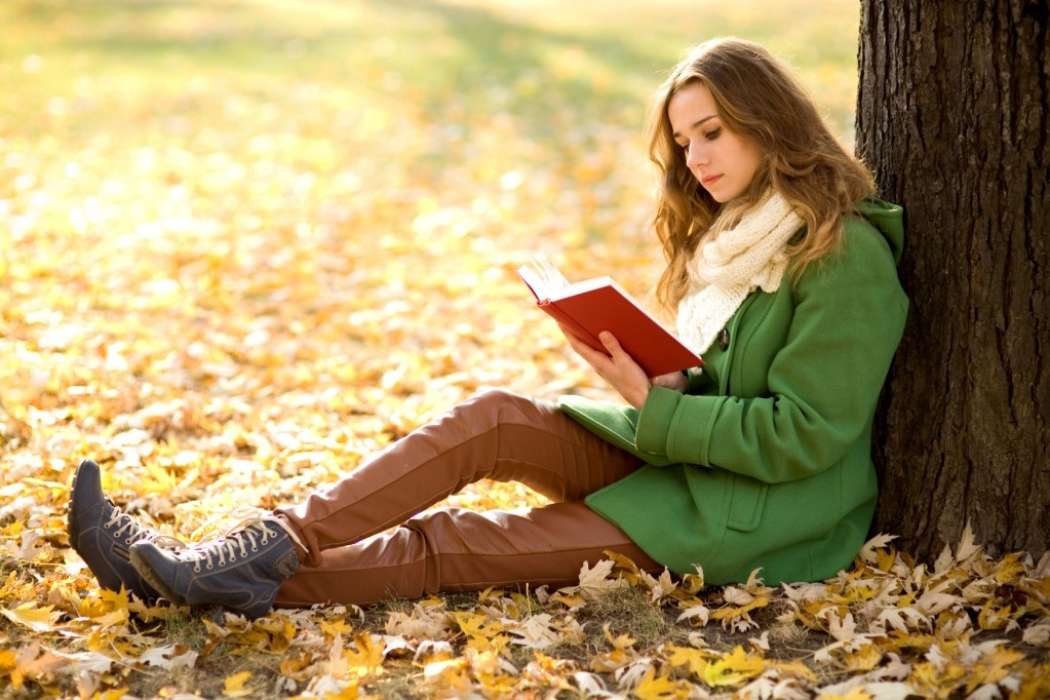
{"type": "Point", "coordinates": [710, 136]}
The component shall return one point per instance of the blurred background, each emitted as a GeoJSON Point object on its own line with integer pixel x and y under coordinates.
{"type": "Point", "coordinates": [245, 243]}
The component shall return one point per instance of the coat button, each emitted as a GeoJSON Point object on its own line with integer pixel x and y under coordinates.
{"type": "Point", "coordinates": [723, 339]}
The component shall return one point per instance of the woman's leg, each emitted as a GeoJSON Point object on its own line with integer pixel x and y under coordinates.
{"type": "Point", "coordinates": [461, 550]}
{"type": "Point", "coordinates": [497, 434]}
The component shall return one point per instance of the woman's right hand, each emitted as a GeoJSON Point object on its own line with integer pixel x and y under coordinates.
{"type": "Point", "coordinates": [671, 380]}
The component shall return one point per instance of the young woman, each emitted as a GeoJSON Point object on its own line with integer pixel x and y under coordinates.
{"type": "Point", "coordinates": [781, 272]}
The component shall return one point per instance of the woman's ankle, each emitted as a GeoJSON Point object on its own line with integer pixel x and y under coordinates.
{"type": "Point", "coordinates": [293, 534]}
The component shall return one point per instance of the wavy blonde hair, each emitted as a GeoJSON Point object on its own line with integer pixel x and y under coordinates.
{"type": "Point", "coordinates": [758, 99]}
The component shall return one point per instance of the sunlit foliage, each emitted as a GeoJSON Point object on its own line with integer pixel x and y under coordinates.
{"type": "Point", "coordinates": [245, 244]}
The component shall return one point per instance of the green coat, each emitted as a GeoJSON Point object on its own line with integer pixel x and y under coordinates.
{"type": "Point", "coordinates": [765, 460]}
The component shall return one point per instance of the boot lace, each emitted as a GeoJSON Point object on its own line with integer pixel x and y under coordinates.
{"type": "Point", "coordinates": [136, 532]}
{"type": "Point", "coordinates": [237, 540]}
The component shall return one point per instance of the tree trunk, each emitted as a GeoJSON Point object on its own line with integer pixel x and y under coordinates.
{"type": "Point", "coordinates": [952, 117]}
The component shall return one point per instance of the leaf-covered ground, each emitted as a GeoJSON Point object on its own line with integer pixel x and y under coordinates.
{"type": "Point", "coordinates": [245, 244]}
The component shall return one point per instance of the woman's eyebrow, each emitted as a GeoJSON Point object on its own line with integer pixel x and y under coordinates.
{"type": "Point", "coordinates": [695, 124]}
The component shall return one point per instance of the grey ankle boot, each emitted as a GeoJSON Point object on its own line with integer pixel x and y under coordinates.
{"type": "Point", "coordinates": [102, 534]}
{"type": "Point", "coordinates": [240, 571]}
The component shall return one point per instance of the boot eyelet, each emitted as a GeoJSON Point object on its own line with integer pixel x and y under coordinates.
{"type": "Point", "coordinates": [209, 567]}
{"type": "Point", "coordinates": [264, 541]}
{"type": "Point", "coordinates": [196, 569]}
{"type": "Point", "coordinates": [129, 540]}
{"type": "Point", "coordinates": [254, 548]}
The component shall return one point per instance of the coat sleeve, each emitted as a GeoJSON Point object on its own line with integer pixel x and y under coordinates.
{"type": "Point", "coordinates": [823, 384]}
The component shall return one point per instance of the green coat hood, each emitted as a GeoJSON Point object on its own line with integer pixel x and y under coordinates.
{"type": "Point", "coordinates": [888, 219]}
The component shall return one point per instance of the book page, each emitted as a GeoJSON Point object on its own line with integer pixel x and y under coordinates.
{"type": "Point", "coordinates": [584, 286]}
{"type": "Point", "coordinates": [542, 277]}
{"type": "Point", "coordinates": [534, 282]}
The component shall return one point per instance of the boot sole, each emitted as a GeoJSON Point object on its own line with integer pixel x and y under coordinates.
{"type": "Point", "coordinates": [146, 572]}
{"type": "Point", "coordinates": [71, 511]}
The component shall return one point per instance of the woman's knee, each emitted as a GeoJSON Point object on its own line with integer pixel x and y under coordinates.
{"type": "Point", "coordinates": [498, 403]}
{"type": "Point", "coordinates": [498, 396]}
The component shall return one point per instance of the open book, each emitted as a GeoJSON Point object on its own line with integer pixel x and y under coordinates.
{"type": "Point", "coordinates": [599, 304]}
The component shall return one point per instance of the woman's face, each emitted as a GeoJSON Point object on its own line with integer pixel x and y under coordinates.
{"type": "Point", "coordinates": [719, 159]}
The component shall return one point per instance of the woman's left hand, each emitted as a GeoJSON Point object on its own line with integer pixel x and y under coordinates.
{"type": "Point", "coordinates": [618, 368]}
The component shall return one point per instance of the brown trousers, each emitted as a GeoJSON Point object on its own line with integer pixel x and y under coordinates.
{"type": "Point", "coordinates": [497, 435]}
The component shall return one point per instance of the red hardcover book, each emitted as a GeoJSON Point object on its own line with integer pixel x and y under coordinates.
{"type": "Point", "coordinates": [599, 304]}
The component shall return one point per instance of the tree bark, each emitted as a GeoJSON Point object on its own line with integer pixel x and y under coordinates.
{"type": "Point", "coordinates": [952, 117]}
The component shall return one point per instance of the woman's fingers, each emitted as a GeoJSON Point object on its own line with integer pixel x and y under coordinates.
{"type": "Point", "coordinates": [617, 367]}
{"type": "Point", "coordinates": [612, 345]}
{"type": "Point", "coordinates": [619, 356]}
{"type": "Point", "coordinates": [599, 360]}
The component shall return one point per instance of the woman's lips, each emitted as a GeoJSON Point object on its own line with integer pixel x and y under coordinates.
{"type": "Point", "coordinates": [709, 180]}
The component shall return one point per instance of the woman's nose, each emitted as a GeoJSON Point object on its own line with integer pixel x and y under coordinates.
{"type": "Point", "coordinates": [696, 155]}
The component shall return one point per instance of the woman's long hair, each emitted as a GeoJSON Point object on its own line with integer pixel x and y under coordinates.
{"type": "Point", "coordinates": [757, 99]}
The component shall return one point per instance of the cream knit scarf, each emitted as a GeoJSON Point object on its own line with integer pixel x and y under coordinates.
{"type": "Point", "coordinates": [723, 271]}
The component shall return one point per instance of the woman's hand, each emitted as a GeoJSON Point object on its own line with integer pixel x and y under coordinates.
{"type": "Point", "coordinates": [671, 380]}
{"type": "Point", "coordinates": [617, 367]}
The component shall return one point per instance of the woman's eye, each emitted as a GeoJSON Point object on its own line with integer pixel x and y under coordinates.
{"type": "Point", "coordinates": [713, 134]}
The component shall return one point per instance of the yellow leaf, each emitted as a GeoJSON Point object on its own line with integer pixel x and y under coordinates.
{"type": "Point", "coordinates": [692, 583]}
{"type": "Point", "coordinates": [863, 659]}
{"type": "Point", "coordinates": [335, 627]}
{"type": "Point", "coordinates": [695, 659]}
{"type": "Point", "coordinates": [596, 579]}
{"type": "Point", "coordinates": [13, 530]}
{"type": "Point", "coordinates": [991, 617]}
{"type": "Point", "coordinates": [622, 561]}
{"type": "Point", "coordinates": [483, 631]}
{"type": "Point", "coordinates": [793, 668]}
{"type": "Point", "coordinates": [733, 668]}
{"type": "Point", "coordinates": [616, 658]}
{"type": "Point", "coordinates": [992, 668]}
{"type": "Point", "coordinates": [36, 619]}
{"type": "Point", "coordinates": [349, 692]}
{"type": "Point", "coordinates": [737, 618]}
{"type": "Point", "coordinates": [447, 673]}
{"type": "Point", "coordinates": [653, 687]}
{"type": "Point", "coordinates": [291, 666]}
{"type": "Point", "coordinates": [885, 559]}
{"type": "Point", "coordinates": [472, 624]}
{"type": "Point", "coordinates": [157, 480]}
{"type": "Point", "coordinates": [35, 662]}
{"type": "Point", "coordinates": [622, 641]}
{"type": "Point", "coordinates": [1010, 568]}
{"type": "Point", "coordinates": [1036, 685]}
{"type": "Point", "coordinates": [874, 545]}
{"type": "Point", "coordinates": [855, 694]}
{"type": "Point", "coordinates": [568, 600]}
{"type": "Point", "coordinates": [736, 611]}
{"type": "Point", "coordinates": [235, 685]}
{"type": "Point", "coordinates": [113, 618]}
{"type": "Point", "coordinates": [367, 659]}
